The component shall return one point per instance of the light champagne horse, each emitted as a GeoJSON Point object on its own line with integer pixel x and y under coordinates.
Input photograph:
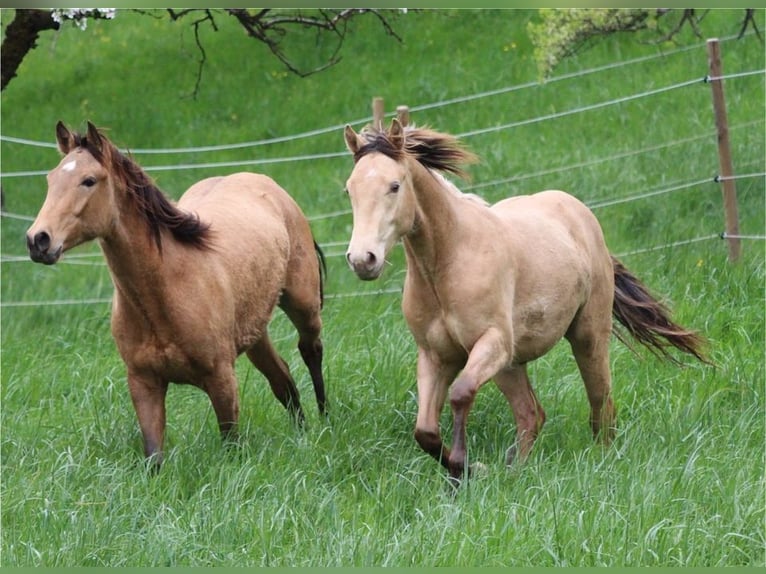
{"type": "Point", "coordinates": [195, 283]}
{"type": "Point", "coordinates": [490, 288]}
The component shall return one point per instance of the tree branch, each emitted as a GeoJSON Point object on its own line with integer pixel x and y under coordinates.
{"type": "Point", "coordinates": [749, 19]}
{"type": "Point", "coordinates": [271, 26]}
{"type": "Point", "coordinates": [267, 25]}
{"type": "Point", "coordinates": [21, 37]}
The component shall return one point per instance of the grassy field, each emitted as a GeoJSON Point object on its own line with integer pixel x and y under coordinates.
{"type": "Point", "coordinates": [682, 486]}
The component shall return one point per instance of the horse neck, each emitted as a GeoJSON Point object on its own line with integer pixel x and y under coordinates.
{"type": "Point", "coordinates": [438, 222]}
{"type": "Point", "coordinates": [134, 261]}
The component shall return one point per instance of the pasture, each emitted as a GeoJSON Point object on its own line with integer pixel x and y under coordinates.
{"type": "Point", "coordinates": [621, 126]}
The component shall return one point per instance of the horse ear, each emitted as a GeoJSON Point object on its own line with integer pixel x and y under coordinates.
{"type": "Point", "coordinates": [353, 140]}
{"type": "Point", "coordinates": [396, 134]}
{"type": "Point", "coordinates": [64, 138]}
{"type": "Point", "coordinates": [95, 138]}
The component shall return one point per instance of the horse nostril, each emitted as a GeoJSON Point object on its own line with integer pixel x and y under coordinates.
{"type": "Point", "coordinates": [41, 242]}
{"type": "Point", "coordinates": [360, 263]}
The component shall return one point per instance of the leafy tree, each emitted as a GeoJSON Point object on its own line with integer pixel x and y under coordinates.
{"type": "Point", "coordinates": [561, 33]}
{"type": "Point", "coordinates": [267, 26]}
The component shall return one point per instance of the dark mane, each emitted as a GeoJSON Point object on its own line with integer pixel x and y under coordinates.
{"type": "Point", "coordinates": [156, 209]}
{"type": "Point", "coordinates": [434, 150]}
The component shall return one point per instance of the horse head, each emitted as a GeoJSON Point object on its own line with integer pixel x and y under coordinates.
{"type": "Point", "coordinates": [79, 203]}
{"type": "Point", "coordinates": [381, 194]}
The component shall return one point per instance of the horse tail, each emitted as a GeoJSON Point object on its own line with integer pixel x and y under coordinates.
{"type": "Point", "coordinates": [648, 320]}
{"type": "Point", "coordinates": [322, 272]}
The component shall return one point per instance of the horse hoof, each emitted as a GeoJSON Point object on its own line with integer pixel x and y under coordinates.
{"type": "Point", "coordinates": [510, 455]}
{"type": "Point", "coordinates": [153, 463]}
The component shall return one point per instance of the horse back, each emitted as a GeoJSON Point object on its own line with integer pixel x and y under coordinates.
{"type": "Point", "coordinates": [253, 223]}
{"type": "Point", "coordinates": [252, 212]}
{"type": "Point", "coordinates": [554, 226]}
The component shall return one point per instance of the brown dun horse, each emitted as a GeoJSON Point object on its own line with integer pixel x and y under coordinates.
{"type": "Point", "coordinates": [490, 288]}
{"type": "Point", "coordinates": [195, 283]}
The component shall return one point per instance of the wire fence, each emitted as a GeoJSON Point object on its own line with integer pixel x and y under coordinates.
{"type": "Point", "coordinates": [432, 105]}
{"type": "Point", "coordinates": [88, 258]}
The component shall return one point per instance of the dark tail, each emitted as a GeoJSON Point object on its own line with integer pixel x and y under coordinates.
{"type": "Point", "coordinates": [648, 320]}
{"type": "Point", "coordinates": [322, 273]}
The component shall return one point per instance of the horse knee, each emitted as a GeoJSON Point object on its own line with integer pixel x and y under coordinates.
{"type": "Point", "coordinates": [462, 396]}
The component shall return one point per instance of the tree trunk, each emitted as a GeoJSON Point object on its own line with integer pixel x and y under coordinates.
{"type": "Point", "coordinates": [21, 37]}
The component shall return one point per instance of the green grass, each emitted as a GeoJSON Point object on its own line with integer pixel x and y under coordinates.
{"type": "Point", "coordinates": [683, 485]}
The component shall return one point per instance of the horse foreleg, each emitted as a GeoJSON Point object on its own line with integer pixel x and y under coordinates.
{"type": "Point", "coordinates": [433, 380]}
{"type": "Point", "coordinates": [222, 389]}
{"type": "Point", "coordinates": [486, 358]}
{"type": "Point", "coordinates": [148, 396]}
{"type": "Point", "coordinates": [527, 410]}
{"type": "Point", "coordinates": [267, 361]}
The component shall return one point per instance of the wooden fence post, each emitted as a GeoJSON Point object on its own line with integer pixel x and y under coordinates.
{"type": "Point", "coordinates": [724, 153]}
{"type": "Point", "coordinates": [377, 113]}
{"type": "Point", "coordinates": [403, 114]}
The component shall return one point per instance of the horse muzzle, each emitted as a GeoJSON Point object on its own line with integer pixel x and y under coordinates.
{"type": "Point", "coordinates": [40, 249]}
{"type": "Point", "coordinates": [366, 265]}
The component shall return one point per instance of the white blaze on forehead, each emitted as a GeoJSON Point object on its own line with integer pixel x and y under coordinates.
{"type": "Point", "coordinates": [69, 166]}
{"type": "Point", "coordinates": [372, 173]}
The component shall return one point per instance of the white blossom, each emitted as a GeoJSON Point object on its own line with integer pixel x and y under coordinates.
{"type": "Point", "coordinates": [80, 15]}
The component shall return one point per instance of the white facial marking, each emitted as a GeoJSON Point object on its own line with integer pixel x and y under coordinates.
{"type": "Point", "coordinates": [69, 166]}
{"type": "Point", "coordinates": [372, 173]}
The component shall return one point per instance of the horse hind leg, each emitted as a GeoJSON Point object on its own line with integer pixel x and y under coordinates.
{"type": "Point", "coordinates": [527, 411]}
{"type": "Point", "coordinates": [302, 308]}
{"type": "Point", "coordinates": [277, 373]}
{"type": "Point", "coordinates": [591, 351]}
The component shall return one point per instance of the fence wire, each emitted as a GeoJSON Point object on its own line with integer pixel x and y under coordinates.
{"type": "Point", "coordinates": [83, 259]}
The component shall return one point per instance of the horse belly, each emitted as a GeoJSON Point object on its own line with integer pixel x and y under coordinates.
{"type": "Point", "coordinates": [253, 251]}
{"type": "Point", "coordinates": [540, 324]}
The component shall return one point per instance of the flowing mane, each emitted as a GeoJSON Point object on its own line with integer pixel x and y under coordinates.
{"type": "Point", "coordinates": [156, 209]}
{"type": "Point", "coordinates": [434, 150]}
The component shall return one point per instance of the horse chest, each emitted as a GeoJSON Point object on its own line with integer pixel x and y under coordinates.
{"type": "Point", "coordinates": [169, 361]}
{"type": "Point", "coordinates": [168, 354]}
{"type": "Point", "coordinates": [438, 331]}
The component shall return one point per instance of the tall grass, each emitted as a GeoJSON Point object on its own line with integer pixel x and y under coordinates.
{"type": "Point", "coordinates": [683, 484]}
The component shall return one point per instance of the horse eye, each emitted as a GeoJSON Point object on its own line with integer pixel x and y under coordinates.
{"type": "Point", "coordinates": [394, 187]}
{"type": "Point", "coordinates": [89, 181]}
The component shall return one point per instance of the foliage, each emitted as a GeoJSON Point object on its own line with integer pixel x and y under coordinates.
{"type": "Point", "coordinates": [559, 34]}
